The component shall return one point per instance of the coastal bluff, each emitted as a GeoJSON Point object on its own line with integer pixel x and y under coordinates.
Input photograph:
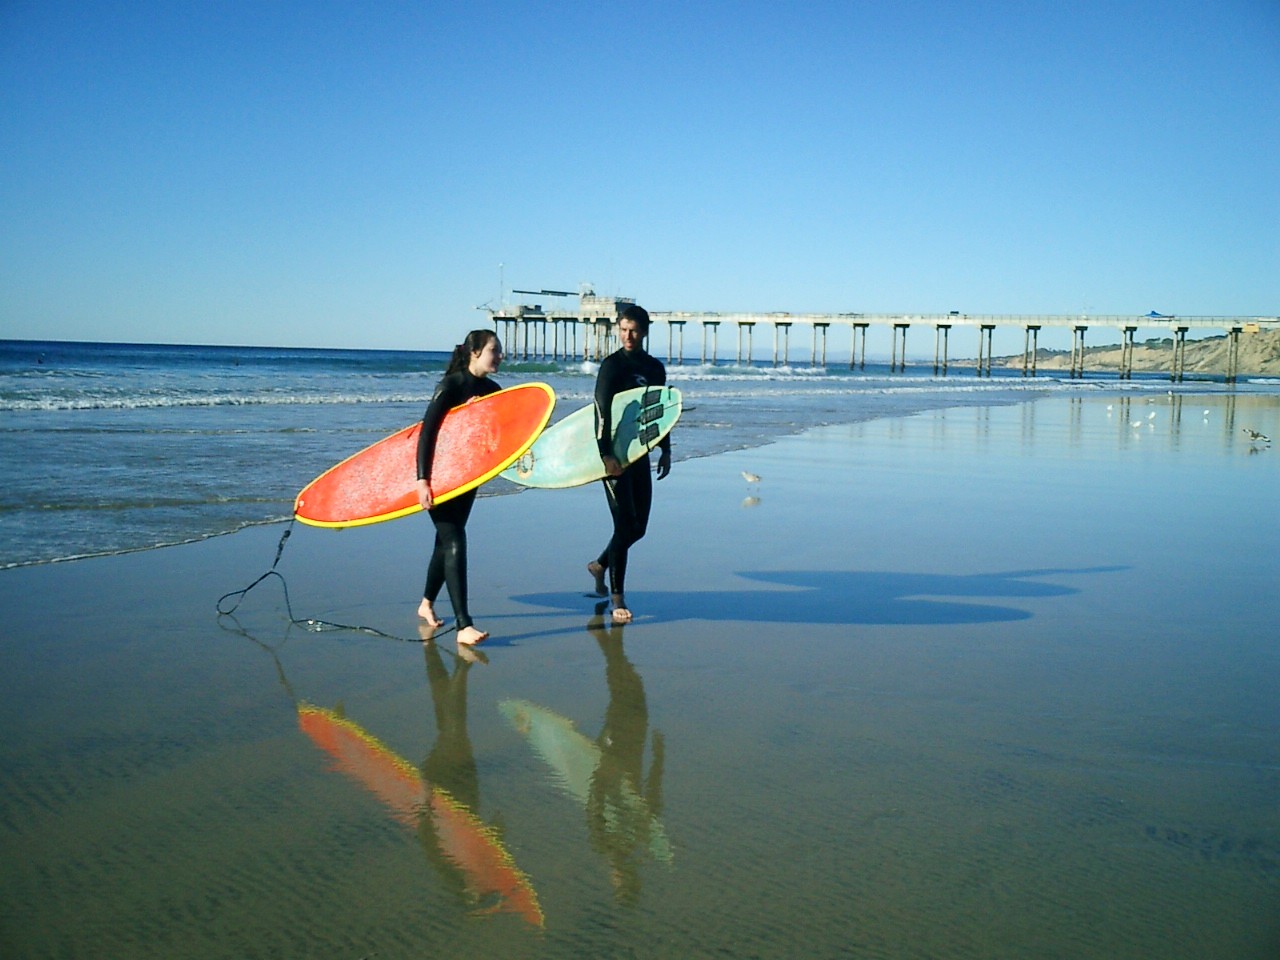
{"type": "Point", "coordinates": [1259, 356]}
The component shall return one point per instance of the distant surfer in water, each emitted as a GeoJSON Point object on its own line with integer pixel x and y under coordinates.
{"type": "Point", "coordinates": [629, 490]}
{"type": "Point", "coordinates": [467, 377]}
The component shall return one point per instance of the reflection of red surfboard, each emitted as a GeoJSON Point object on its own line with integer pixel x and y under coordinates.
{"type": "Point", "coordinates": [466, 841]}
{"type": "Point", "coordinates": [477, 441]}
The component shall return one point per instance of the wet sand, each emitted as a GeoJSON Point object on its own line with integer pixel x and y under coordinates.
{"type": "Point", "coordinates": [975, 683]}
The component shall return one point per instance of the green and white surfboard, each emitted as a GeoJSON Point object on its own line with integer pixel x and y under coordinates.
{"type": "Point", "coordinates": [566, 455]}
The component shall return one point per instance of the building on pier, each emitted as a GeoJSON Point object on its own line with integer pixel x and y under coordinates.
{"type": "Point", "coordinates": [533, 332]}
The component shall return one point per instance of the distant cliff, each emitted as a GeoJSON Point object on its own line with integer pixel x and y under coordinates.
{"type": "Point", "coordinates": [1259, 356]}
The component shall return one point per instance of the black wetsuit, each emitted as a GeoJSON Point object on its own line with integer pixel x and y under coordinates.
{"type": "Point", "coordinates": [448, 564]}
{"type": "Point", "coordinates": [630, 495]}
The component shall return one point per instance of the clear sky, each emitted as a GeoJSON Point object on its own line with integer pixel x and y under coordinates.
{"type": "Point", "coordinates": [365, 174]}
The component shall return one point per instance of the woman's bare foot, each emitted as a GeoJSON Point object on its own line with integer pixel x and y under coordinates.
{"type": "Point", "coordinates": [620, 612]}
{"type": "Point", "coordinates": [470, 636]}
{"type": "Point", "coordinates": [596, 569]}
{"type": "Point", "coordinates": [471, 654]}
{"type": "Point", "coordinates": [427, 612]}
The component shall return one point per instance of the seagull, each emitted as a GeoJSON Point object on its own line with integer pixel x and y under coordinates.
{"type": "Point", "coordinates": [1254, 436]}
{"type": "Point", "coordinates": [750, 477]}
{"type": "Point", "coordinates": [1151, 415]}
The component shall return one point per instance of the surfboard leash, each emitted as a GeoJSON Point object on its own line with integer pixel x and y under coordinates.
{"type": "Point", "coordinates": [240, 594]}
{"type": "Point", "coordinates": [310, 624]}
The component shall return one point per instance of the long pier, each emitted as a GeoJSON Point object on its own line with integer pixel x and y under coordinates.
{"type": "Point", "coordinates": [530, 332]}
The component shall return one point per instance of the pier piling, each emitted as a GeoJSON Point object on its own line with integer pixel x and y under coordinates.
{"type": "Point", "coordinates": [714, 326]}
{"type": "Point", "coordinates": [902, 328]}
{"type": "Point", "coordinates": [1030, 348]}
{"type": "Point", "coordinates": [1077, 351]}
{"type": "Point", "coordinates": [673, 327]}
{"type": "Point", "coordinates": [941, 334]}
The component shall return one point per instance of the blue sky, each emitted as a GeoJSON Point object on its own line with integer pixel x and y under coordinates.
{"type": "Point", "coordinates": [342, 174]}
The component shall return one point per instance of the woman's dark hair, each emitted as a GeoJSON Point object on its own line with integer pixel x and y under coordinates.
{"type": "Point", "coordinates": [637, 313]}
{"type": "Point", "coordinates": [474, 342]}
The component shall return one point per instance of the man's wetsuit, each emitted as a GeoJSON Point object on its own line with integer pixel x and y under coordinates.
{"type": "Point", "coordinates": [630, 495]}
{"type": "Point", "coordinates": [448, 564]}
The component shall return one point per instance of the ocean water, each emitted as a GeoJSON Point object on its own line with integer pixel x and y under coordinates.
{"type": "Point", "coordinates": [110, 448]}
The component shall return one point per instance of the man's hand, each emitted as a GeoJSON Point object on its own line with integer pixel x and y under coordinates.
{"type": "Point", "coordinates": [664, 464]}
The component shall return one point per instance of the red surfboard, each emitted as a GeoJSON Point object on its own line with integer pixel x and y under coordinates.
{"type": "Point", "coordinates": [477, 441]}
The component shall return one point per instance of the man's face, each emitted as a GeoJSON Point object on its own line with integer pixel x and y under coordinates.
{"type": "Point", "coordinates": [630, 334]}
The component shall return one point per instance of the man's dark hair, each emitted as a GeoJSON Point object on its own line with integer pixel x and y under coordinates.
{"type": "Point", "coordinates": [637, 313]}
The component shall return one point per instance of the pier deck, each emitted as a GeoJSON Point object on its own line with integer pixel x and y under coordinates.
{"type": "Point", "coordinates": [524, 326]}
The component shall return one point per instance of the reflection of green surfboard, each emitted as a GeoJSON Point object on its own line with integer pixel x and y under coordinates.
{"type": "Point", "coordinates": [566, 455]}
{"type": "Point", "coordinates": [574, 758]}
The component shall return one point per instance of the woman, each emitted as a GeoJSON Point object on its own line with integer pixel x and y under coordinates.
{"type": "Point", "coordinates": [467, 377]}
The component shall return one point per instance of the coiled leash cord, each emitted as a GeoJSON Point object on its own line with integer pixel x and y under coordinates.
{"type": "Point", "coordinates": [307, 623]}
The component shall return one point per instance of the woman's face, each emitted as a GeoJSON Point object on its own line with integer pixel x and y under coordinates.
{"type": "Point", "coordinates": [487, 360]}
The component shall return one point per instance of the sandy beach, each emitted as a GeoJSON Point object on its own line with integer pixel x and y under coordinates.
{"type": "Point", "coordinates": [979, 682]}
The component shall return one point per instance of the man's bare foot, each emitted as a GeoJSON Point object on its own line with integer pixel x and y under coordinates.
{"type": "Point", "coordinates": [470, 636]}
{"type": "Point", "coordinates": [597, 570]}
{"type": "Point", "coordinates": [620, 612]}
{"type": "Point", "coordinates": [427, 612]}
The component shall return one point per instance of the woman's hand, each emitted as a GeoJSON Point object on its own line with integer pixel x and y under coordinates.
{"type": "Point", "coordinates": [424, 495]}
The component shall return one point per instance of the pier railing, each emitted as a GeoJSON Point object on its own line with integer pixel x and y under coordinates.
{"type": "Point", "coordinates": [531, 333]}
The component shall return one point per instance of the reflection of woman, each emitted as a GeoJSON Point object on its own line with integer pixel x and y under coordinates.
{"type": "Point", "coordinates": [451, 764]}
{"type": "Point", "coordinates": [440, 798]}
{"type": "Point", "coordinates": [621, 828]}
{"type": "Point", "coordinates": [466, 378]}
{"type": "Point", "coordinates": [468, 854]}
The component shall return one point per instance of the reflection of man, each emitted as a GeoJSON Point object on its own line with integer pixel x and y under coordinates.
{"type": "Point", "coordinates": [622, 805]}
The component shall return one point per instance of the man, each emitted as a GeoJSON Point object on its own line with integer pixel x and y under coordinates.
{"type": "Point", "coordinates": [629, 490]}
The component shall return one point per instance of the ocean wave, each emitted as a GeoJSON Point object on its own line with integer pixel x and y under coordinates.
{"type": "Point", "coordinates": [148, 402]}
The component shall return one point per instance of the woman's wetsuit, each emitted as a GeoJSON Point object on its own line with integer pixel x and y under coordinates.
{"type": "Point", "coordinates": [630, 495]}
{"type": "Point", "coordinates": [448, 566]}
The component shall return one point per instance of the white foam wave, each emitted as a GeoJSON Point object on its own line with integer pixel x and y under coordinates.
{"type": "Point", "coordinates": [81, 402]}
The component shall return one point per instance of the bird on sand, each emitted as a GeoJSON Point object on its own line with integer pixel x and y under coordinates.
{"type": "Point", "coordinates": [750, 477]}
{"type": "Point", "coordinates": [1255, 436]}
